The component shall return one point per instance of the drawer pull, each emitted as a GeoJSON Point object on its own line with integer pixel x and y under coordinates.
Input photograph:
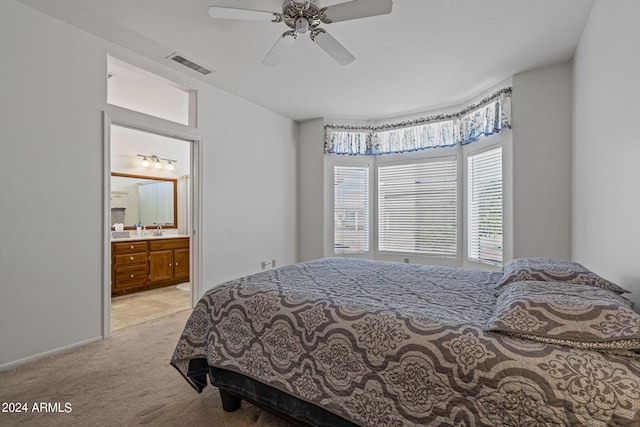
{"type": "Point", "coordinates": [131, 246]}
{"type": "Point", "coordinates": [131, 258]}
{"type": "Point", "coordinates": [132, 276]}
{"type": "Point", "coordinates": [176, 263]}
{"type": "Point", "coordinates": [169, 264]}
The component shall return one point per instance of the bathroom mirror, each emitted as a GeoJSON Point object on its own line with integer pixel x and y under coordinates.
{"type": "Point", "coordinates": [146, 200]}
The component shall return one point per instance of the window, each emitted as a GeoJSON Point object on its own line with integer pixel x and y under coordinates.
{"type": "Point", "coordinates": [351, 209]}
{"type": "Point", "coordinates": [485, 207]}
{"type": "Point", "coordinates": [417, 208]}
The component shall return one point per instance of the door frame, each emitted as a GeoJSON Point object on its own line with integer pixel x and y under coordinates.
{"type": "Point", "coordinates": [114, 115]}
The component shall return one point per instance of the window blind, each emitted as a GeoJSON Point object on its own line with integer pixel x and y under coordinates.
{"type": "Point", "coordinates": [351, 209]}
{"type": "Point", "coordinates": [485, 207]}
{"type": "Point", "coordinates": [417, 208]}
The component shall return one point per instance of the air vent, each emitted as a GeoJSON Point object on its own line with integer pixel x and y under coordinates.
{"type": "Point", "coordinates": [180, 59]}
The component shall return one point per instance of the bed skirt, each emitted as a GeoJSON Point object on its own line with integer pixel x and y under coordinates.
{"type": "Point", "coordinates": [292, 409]}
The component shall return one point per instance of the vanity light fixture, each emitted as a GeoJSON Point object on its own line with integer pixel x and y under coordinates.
{"type": "Point", "coordinates": [148, 160]}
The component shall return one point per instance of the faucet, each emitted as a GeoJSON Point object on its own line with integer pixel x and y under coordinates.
{"type": "Point", "coordinates": [159, 231]}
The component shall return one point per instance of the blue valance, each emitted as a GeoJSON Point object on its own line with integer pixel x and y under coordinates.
{"type": "Point", "coordinates": [487, 117]}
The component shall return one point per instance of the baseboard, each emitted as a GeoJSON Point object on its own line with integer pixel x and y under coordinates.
{"type": "Point", "coordinates": [16, 363]}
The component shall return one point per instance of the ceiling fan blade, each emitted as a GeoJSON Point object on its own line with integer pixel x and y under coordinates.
{"type": "Point", "coordinates": [219, 12]}
{"type": "Point", "coordinates": [278, 50]}
{"type": "Point", "coordinates": [357, 9]}
{"type": "Point", "coordinates": [332, 46]}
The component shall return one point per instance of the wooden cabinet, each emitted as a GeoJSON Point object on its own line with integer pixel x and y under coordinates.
{"type": "Point", "coordinates": [129, 266]}
{"type": "Point", "coordinates": [160, 266]}
{"type": "Point", "coordinates": [181, 264]}
{"type": "Point", "coordinates": [169, 260]}
{"type": "Point", "coordinates": [146, 264]}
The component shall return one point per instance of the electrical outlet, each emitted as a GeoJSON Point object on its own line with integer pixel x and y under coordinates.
{"type": "Point", "coordinates": [270, 264]}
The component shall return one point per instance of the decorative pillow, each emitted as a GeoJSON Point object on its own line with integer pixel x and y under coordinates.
{"type": "Point", "coordinates": [566, 314]}
{"type": "Point", "coordinates": [553, 270]}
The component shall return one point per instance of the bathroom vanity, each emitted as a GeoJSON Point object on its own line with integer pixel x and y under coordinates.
{"type": "Point", "coordinates": [143, 263]}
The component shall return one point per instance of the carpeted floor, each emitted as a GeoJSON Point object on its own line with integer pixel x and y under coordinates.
{"type": "Point", "coordinates": [123, 381]}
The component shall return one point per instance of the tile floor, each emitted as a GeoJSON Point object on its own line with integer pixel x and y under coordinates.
{"type": "Point", "coordinates": [133, 309]}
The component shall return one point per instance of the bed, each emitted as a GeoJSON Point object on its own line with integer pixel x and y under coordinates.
{"type": "Point", "coordinates": [341, 341]}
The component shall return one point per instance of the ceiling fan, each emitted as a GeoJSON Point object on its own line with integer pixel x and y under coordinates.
{"type": "Point", "coordinates": [306, 16]}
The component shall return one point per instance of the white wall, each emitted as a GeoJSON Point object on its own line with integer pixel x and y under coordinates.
{"type": "Point", "coordinates": [250, 187]}
{"type": "Point", "coordinates": [541, 113]}
{"type": "Point", "coordinates": [53, 94]}
{"type": "Point", "coordinates": [135, 89]}
{"type": "Point", "coordinates": [310, 190]}
{"type": "Point", "coordinates": [606, 144]}
{"type": "Point", "coordinates": [127, 143]}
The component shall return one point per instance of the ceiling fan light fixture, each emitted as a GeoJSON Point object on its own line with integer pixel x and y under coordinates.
{"type": "Point", "coordinates": [302, 25]}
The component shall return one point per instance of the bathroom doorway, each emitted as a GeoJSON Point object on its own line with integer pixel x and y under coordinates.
{"type": "Point", "coordinates": [150, 203]}
{"type": "Point", "coordinates": [159, 292]}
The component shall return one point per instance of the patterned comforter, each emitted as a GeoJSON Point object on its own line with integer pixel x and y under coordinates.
{"type": "Point", "coordinates": [390, 344]}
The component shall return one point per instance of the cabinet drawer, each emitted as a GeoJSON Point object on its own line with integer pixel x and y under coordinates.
{"type": "Point", "coordinates": [160, 245]}
{"type": "Point", "coordinates": [131, 276]}
{"type": "Point", "coordinates": [129, 248]}
{"type": "Point", "coordinates": [139, 258]}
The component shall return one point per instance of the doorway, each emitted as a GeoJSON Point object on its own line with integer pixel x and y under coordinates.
{"type": "Point", "coordinates": [150, 180]}
{"type": "Point", "coordinates": [161, 292]}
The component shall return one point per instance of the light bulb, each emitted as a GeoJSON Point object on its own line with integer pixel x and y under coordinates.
{"type": "Point", "coordinates": [170, 166]}
{"type": "Point", "coordinates": [157, 164]}
{"type": "Point", "coordinates": [145, 162]}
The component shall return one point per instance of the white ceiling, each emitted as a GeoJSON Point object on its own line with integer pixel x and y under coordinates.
{"type": "Point", "coordinates": [426, 54]}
